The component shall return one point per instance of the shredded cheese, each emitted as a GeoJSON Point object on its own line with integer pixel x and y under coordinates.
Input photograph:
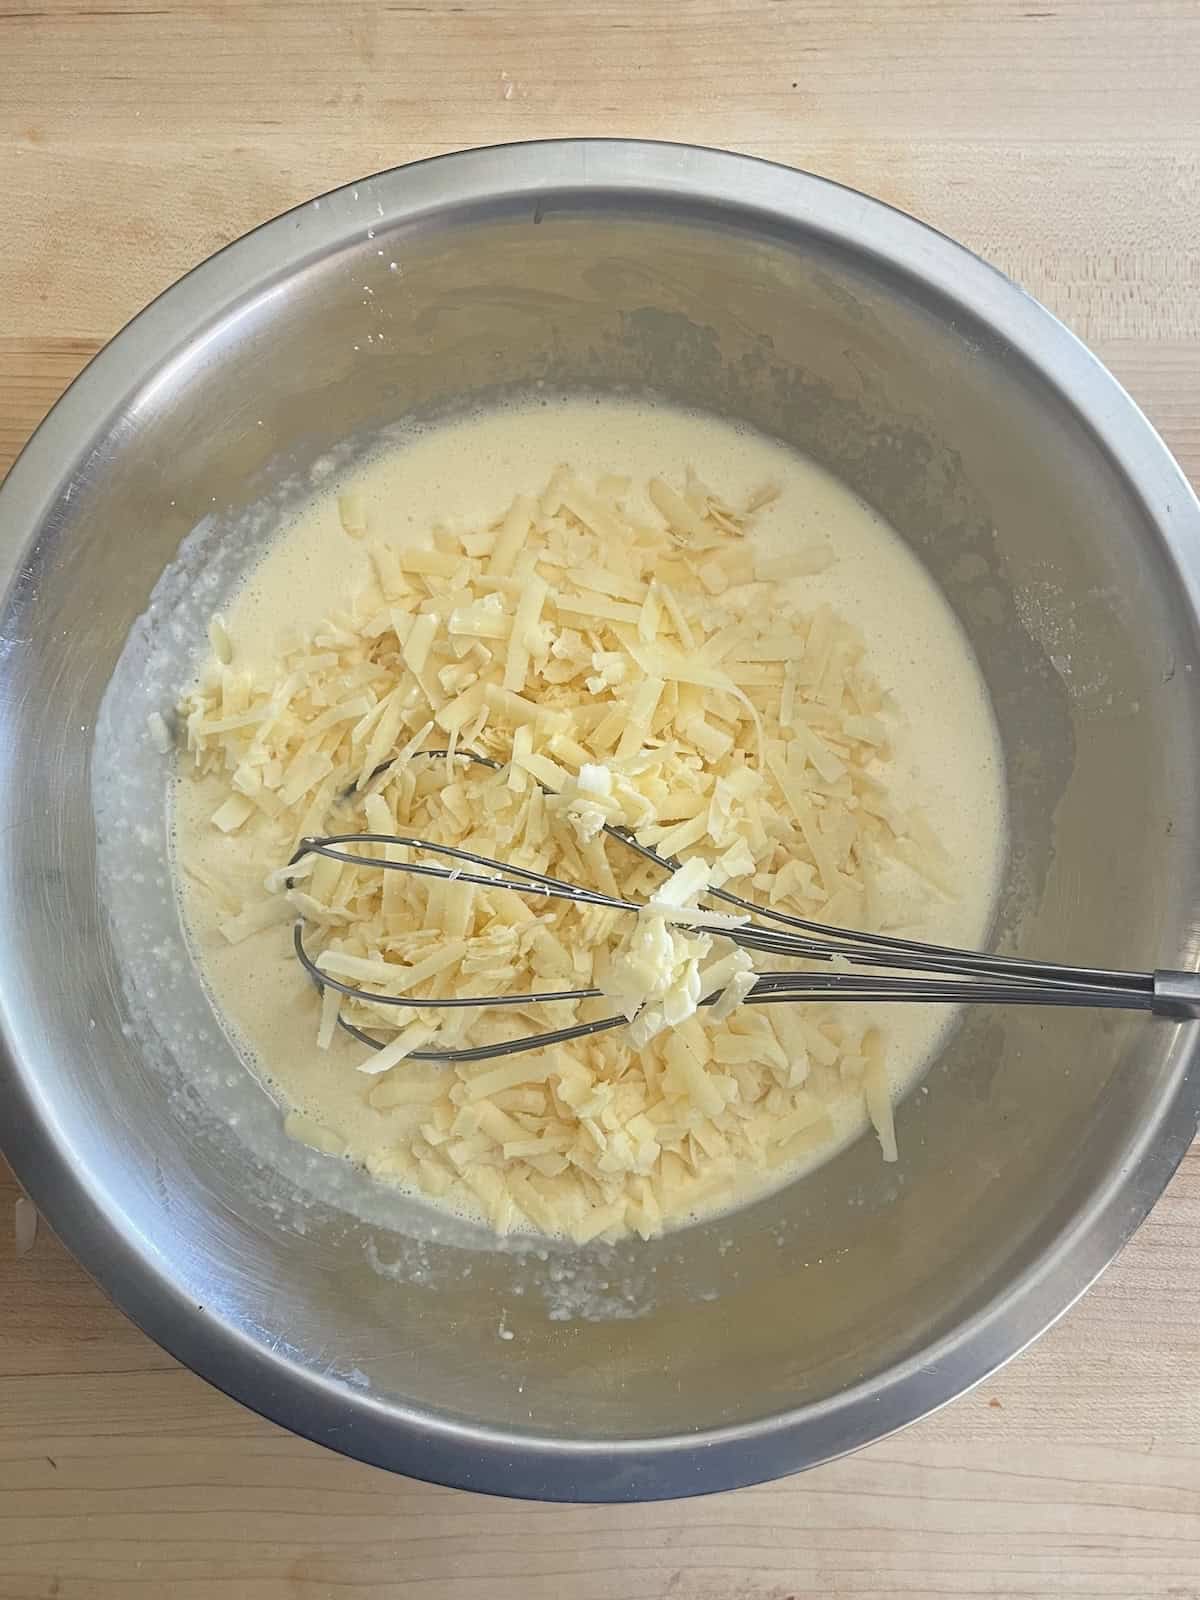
{"type": "Point", "coordinates": [621, 675]}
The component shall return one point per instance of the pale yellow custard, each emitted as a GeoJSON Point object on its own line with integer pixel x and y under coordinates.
{"type": "Point", "coordinates": [761, 678]}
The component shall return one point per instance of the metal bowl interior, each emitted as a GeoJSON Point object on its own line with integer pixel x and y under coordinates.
{"type": "Point", "coordinates": [1067, 542]}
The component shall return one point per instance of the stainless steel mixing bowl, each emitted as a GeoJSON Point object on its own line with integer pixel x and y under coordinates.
{"type": "Point", "coordinates": [1068, 543]}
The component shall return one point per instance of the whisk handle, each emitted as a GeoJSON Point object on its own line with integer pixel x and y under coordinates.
{"type": "Point", "coordinates": [1177, 994]}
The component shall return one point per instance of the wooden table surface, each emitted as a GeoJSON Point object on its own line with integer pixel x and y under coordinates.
{"type": "Point", "coordinates": [1061, 139]}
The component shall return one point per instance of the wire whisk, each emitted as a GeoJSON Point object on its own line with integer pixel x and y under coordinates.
{"type": "Point", "coordinates": [901, 970]}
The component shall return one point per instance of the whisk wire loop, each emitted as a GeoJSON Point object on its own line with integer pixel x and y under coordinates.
{"type": "Point", "coordinates": [944, 975]}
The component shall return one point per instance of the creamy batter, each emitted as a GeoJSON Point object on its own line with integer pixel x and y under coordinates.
{"type": "Point", "coordinates": [946, 752]}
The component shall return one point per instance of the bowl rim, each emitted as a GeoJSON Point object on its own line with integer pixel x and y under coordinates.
{"type": "Point", "coordinates": [545, 175]}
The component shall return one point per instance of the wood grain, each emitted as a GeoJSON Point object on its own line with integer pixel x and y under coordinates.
{"type": "Point", "coordinates": [1061, 139]}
